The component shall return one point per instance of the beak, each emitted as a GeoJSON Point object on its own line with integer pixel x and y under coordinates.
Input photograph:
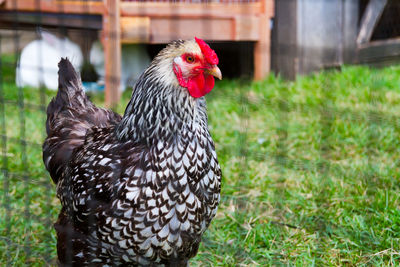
{"type": "Point", "coordinates": [214, 71]}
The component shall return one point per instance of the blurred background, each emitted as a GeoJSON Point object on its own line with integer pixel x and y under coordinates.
{"type": "Point", "coordinates": [306, 120]}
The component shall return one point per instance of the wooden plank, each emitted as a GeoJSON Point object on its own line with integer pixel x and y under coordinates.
{"type": "Point", "coordinates": [193, 10]}
{"type": "Point", "coordinates": [247, 28]}
{"type": "Point", "coordinates": [164, 30]}
{"type": "Point", "coordinates": [379, 51]}
{"type": "Point", "coordinates": [54, 6]}
{"type": "Point", "coordinates": [135, 29]}
{"type": "Point", "coordinates": [268, 8]}
{"type": "Point", "coordinates": [51, 19]}
{"type": "Point", "coordinates": [350, 30]}
{"type": "Point", "coordinates": [286, 54]}
{"type": "Point", "coordinates": [154, 9]}
{"type": "Point", "coordinates": [369, 20]}
{"type": "Point", "coordinates": [112, 52]}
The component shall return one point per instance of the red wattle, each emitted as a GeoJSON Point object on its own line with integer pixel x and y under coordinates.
{"type": "Point", "coordinates": [198, 85]}
{"type": "Point", "coordinates": [209, 83]}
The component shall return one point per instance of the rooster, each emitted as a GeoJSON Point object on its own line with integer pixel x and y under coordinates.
{"type": "Point", "coordinates": [137, 190]}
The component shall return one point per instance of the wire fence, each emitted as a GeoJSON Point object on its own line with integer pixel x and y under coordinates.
{"type": "Point", "coordinates": [260, 141]}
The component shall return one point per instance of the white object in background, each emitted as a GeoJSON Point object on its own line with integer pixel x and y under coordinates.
{"type": "Point", "coordinates": [134, 59]}
{"type": "Point", "coordinates": [38, 64]}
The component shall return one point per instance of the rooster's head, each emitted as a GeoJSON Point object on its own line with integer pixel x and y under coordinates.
{"type": "Point", "coordinates": [168, 97]}
{"type": "Point", "coordinates": [194, 65]}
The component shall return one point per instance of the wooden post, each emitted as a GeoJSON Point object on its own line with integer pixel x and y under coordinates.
{"type": "Point", "coordinates": [262, 48]}
{"type": "Point", "coordinates": [112, 52]}
{"type": "Point", "coordinates": [286, 56]}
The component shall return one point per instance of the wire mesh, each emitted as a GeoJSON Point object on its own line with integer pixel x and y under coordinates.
{"type": "Point", "coordinates": [256, 154]}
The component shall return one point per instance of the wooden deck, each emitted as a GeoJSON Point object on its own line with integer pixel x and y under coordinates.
{"type": "Point", "coordinates": [163, 21]}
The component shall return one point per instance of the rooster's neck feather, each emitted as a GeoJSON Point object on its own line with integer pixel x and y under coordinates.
{"type": "Point", "coordinates": [158, 110]}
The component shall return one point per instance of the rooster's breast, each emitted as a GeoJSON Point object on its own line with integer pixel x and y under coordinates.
{"type": "Point", "coordinates": [153, 204]}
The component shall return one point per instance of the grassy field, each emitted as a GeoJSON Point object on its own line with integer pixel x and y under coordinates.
{"type": "Point", "coordinates": [310, 172]}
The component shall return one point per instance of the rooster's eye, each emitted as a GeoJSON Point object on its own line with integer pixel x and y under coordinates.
{"type": "Point", "coordinates": [189, 59]}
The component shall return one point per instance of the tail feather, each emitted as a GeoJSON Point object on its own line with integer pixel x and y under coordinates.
{"type": "Point", "coordinates": [70, 90]}
{"type": "Point", "coordinates": [70, 115]}
{"type": "Point", "coordinates": [67, 75]}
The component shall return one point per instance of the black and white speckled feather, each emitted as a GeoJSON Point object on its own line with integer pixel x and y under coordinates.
{"type": "Point", "coordinates": [137, 190]}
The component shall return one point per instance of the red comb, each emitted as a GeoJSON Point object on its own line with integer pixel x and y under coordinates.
{"type": "Point", "coordinates": [208, 53]}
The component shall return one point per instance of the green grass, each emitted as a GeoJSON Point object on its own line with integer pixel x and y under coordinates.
{"type": "Point", "coordinates": [310, 172]}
